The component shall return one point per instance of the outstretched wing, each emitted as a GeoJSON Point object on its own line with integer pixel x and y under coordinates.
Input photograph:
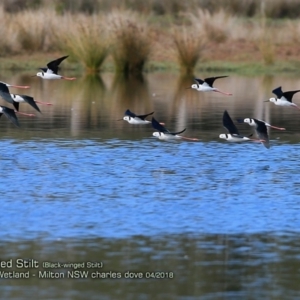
{"type": "Point", "coordinates": [30, 101]}
{"type": "Point", "coordinates": [144, 116]}
{"type": "Point", "coordinates": [289, 95]}
{"type": "Point", "coordinates": [228, 124]}
{"type": "Point", "coordinates": [159, 127]}
{"type": "Point", "coordinates": [199, 81]}
{"type": "Point", "coordinates": [53, 65]}
{"type": "Point", "coordinates": [210, 80]}
{"type": "Point", "coordinates": [10, 114]}
{"type": "Point", "coordinates": [129, 113]}
{"type": "Point", "coordinates": [278, 92]}
{"type": "Point", "coordinates": [4, 93]}
{"type": "Point", "coordinates": [262, 132]}
{"type": "Point", "coordinates": [174, 133]}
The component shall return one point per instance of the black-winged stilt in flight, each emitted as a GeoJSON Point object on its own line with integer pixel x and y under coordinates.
{"type": "Point", "coordinates": [164, 134]}
{"type": "Point", "coordinates": [132, 118]}
{"type": "Point", "coordinates": [4, 93]}
{"type": "Point", "coordinates": [206, 85]}
{"type": "Point", "coordinates": [233, 135]}
{"type": "Point", "coordinates": [261, 129]}
{"type": "Point", "coordinates": [16, 86]}
{"type": "Point", "coordinates": [51, 72]}
{"type": "Point", "coordinates": [283, 98]}
{"type": "Point", "coordinates": [252, 122]}
{"type": "Point", "coordinates": [10, 114]}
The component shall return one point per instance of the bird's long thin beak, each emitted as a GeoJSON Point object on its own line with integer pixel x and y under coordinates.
{"type": "Point", "coordinates": [33, 76]}
{"type": "Point", "coordinates": [267, 101]}
{"type": "Point", "coordinates": [120, 120]}
{"type": "Point", "coordinates": [188, 88]}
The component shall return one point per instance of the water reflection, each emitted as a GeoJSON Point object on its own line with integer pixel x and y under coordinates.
{"type": "Point", "coordinates": [204, 266]}
{"type": "Point", "coordinates": [79, 186]}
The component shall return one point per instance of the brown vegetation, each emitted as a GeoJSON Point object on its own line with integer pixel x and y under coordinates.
{"type": "Point", "coordinates": [91, 31]}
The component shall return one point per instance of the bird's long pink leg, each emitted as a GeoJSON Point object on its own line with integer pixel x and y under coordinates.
{"type": "Point", "coordinates": [295, 106]}
{"type": "Point", "coordinates": [161, 123]}
{"type": "Point", "coordinates": [45, 103]}
{"type": "Point", "coordinates": [24, 114]}
{"type": "Point", "coordinates": [189, 139]}
{"type": "Point", "coordinates": [224, 93]}
{"type": "Point", "coordinates": [68, 78]}
{"type": "Point", "coordinates": [279, 128]}
{"type": "Point", "coordinates": [20, 86]}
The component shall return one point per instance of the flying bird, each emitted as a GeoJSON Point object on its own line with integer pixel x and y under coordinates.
{"type": "Point", "coordinates": [233, 135]}
{"type": "Point", "coordinates": [283, 98]}
{"type": "Point", "coordinates": [206, 85]}
{"type": "Point", "coordinates": [164, 134]}
{"type": "Point", "coordinates": [51, 72]}
{"type": "Point", "coordinates": [132, 118]}
{"type": "Point", "coordinates": [252, 122]}
{"type": "Point", "coordinates": [261, 129]}
{"type": "Point", "coordinates": [4, 93]}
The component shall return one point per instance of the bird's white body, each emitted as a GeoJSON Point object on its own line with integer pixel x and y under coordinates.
{"type": "Point", "coordinates": [166, 136]}
{"type": "Point", "coordinates": [203, 87]}
{"type": "Point", "coordinates": [135, 121]}
{"type": "Point", "coordinates": [49, 76]}
{"type": "Point", "coordinates": [17, 98]}
{"type": "Point", "coordinates": [282, 102]}
{"type": "Point", "coordinates": [233, 138]}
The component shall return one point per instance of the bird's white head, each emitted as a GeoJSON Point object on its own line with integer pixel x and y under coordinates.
{"type": "Point", "coordinates": [126, 118]}
{"type": "Point", "coordinates": [39, 74]}
{"type": "Point", "coordinates": [223, 136]}
{"type": "Point", "coordinates": [273, 99]}
{"type": "Point", "coordinates": [249, 121]}
{"type": "Point", "coordinates": [194, 86]}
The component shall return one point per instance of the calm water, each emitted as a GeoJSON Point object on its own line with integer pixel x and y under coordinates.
{"type": "Point", "coordinates": [79, 186]}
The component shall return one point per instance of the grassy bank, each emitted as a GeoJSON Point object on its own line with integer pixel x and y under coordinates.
{"type": "Point", "coordinates": [125, 41]}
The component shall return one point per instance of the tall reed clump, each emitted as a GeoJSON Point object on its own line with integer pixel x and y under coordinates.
{"type": "Point", "coordinates": [34, 30]}
{"type": "Point", "coordinates": [8, 34]}
{"type": "Point", "coordinates": [131, 41]}
{"type": "Point", "coordinates": [85, 38]}
{"type": "Point", "coordinates": [217, 26]}
{"type": "Point", "coordinates": [189, 44]}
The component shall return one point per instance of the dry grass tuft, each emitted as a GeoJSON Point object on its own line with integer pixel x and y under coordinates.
{"type": "Point", "coordinates": [217, 26]}
{"type": "Point", "coordinates": [131, 41]}
{"type": "Point", "coordinates": [34, 30]}
{"type": "Point", "coordinates": [85, 38]}
{"type": "Point", "coordinates": [189, 45]}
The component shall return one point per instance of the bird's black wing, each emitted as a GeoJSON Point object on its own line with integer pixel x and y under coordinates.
{"type": "Point", "coordinates": [210, 80]}
{"type": "Point", "coordinates": [199, 81]}
{"type": "Point", "coordinates": [289, 95]}
{"type": "Point", "coordinates": [11, 115]}
{"type": "Point", "coordinates": [159, 127]}
{"type": "Point", "coordinates": [228, 124]}
{"type": "Point", "coordinates": [278, 92]}
{"type": "Point", "coordinates": [262, 132]}
{"type": "Point", "coordinates": [129, 113]}
{"type": "Point", "coordinates": [240, 120]}
{"type": "Point", "coordinates": [144, 116]}
{"type": "Point", "coordinates": [31, 102]}
{"type": "Point", "coordinates": [53, 65]}
{"type": "Point", "coordinates": [4, 93]}
{"type": "Point", "coordinates": [174, 133]}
